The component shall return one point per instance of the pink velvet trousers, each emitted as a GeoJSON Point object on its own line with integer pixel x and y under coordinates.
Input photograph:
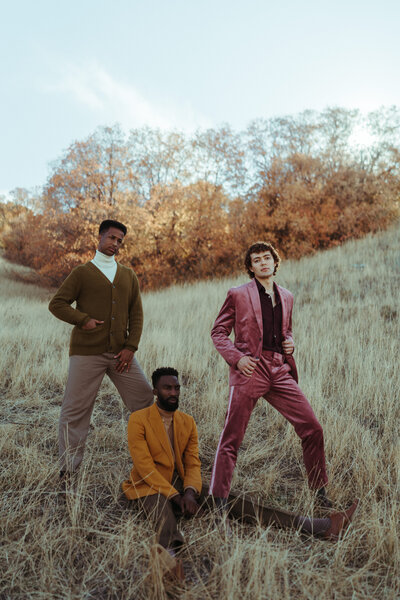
{"type": "Point", "coordinates": [271, 380]}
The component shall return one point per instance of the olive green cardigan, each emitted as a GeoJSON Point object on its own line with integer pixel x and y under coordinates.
{"type": "Point", "coordinates": [118, 304]}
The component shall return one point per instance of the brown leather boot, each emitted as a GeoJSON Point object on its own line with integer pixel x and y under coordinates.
{"type": "Point", "coordinates": [68, 482]}
{"type": "Point", "coordinates": [322, 499]}
{"type": "Point", "coordinates": [166, 563]}
{"type": "Point", "coordinates": [178, 572]}
{"type": "Point", "coordinates": [339, 521]}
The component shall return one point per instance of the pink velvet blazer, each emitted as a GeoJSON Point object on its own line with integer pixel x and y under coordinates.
{"type": "Point", "coordinates": [241, 312]}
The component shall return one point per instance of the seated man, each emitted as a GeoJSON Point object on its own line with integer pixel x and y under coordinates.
{"type": "Point", "coordinates": [166, 477]}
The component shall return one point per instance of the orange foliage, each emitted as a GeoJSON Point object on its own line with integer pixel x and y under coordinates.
{"type": "Point", "coordinates": [302, 208]}
{"type": "Point", "coordinates": [193, 206]}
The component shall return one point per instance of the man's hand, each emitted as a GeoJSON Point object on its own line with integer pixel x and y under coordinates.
{"type": "Point", "coordinates": [288, 346]}
{"type": "Point", "coordinates": [246, 365]}
{"type": "Point", "coordinates": [125, 357]}
{"type": "Point", "coordinates": [178, 500]}
{"type": "Point", "coordinates": [92, 324]}
{"type": "Point", "coordinates": [190, 506]}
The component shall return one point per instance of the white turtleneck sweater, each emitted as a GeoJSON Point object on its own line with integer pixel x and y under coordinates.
{"type": "Point", "coordinates": [106, 264]}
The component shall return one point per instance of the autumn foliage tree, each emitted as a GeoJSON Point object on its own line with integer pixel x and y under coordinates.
{"type": "Point", "coordinates": [192, 204]}
{"type": "Point", "coordinates": [187, 234]}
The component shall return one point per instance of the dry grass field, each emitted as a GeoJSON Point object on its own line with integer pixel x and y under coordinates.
{"type": "Point", "coordinates": [95, 545]}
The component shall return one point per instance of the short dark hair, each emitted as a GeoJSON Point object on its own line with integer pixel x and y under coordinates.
{"type": "Point", "coordinates": [105, 226]}
{"type": "Point", "coordinates": [261, 247]}
{"type": "Point", "coordinates": [158, 373]}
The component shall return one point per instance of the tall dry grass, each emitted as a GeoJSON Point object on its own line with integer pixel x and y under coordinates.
{"type": "Point", "coordinates": [95, 545]}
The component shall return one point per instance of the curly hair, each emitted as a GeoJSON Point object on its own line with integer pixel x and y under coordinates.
{"type": "Point", "coordinates": [158, 373]}
{"type": "Point", "coordinates": [261, 247]}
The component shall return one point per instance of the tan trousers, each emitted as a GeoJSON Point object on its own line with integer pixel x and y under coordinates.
{"type": "Point", "coordinates": [84, 378]}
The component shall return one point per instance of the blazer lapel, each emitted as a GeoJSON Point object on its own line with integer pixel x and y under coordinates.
{"type": "Point", "coordinates": [158, 427]}
{"type": "Point", "coordinates": [178, 426]}
{"type": "Point", "coordinates": [284, 309]}
{"type": "Point", "coordinates": [255, 301]}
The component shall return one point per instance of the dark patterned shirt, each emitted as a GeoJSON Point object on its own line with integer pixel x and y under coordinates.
{"type": "Point", "coordinates": [272, 319]}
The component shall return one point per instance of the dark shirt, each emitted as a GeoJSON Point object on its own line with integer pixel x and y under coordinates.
{"type": "Point", "coordinates": [272, 319]}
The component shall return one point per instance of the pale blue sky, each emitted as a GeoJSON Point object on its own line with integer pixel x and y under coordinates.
{"type": "Point", "coordinates": [68, 67]}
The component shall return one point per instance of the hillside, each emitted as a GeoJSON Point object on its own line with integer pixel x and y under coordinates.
{"type": "Point", "coordinates": [346, 327]}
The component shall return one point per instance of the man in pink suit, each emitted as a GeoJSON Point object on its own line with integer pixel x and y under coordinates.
{"type": "Point", "coordinates": [262, 364]}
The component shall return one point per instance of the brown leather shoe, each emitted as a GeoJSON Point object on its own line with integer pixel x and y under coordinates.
{"type": "Point", "coordinates": [178, 572]}
{"type": "Point", "coordinates": [166, 563]}
{"type": "Point", "coordinates": [68, 482]}
{"type": "Point", "coordinates": [322, 499]}
{"type": "Point", "coordinates": [339, 521]}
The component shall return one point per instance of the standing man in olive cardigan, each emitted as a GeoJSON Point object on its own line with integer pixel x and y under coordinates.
{"type": "Point", "coordinates": [108, 321]}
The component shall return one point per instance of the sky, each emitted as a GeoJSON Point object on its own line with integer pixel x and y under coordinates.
{"type": "Point", "coordinates": [68, 67]}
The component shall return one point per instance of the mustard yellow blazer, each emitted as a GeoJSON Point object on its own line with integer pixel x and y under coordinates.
{"type": "Point", "coordinates": [153, 462]}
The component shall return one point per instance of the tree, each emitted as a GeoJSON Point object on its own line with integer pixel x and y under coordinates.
{"type": "Point", "coordinates": [218, 158]}
{"type": "Point", "coordinates": [94, 169]}
{"type": "Point", "coordinates": [156, 158]}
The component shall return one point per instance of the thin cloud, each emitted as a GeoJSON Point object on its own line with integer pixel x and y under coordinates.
{"type": "Point", "coordinates": [92, 86]}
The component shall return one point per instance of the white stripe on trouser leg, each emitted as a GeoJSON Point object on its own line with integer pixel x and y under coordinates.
{"type": "Point", "coordinates": [219, 443]}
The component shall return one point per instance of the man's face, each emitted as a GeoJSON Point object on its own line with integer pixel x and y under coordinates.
{"type": "Point", "coordinates": [110, 241]}
{"type": "Point", "coordinates": [167, 391]}
{"type": "Point", "coordinates": [262, 264]}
